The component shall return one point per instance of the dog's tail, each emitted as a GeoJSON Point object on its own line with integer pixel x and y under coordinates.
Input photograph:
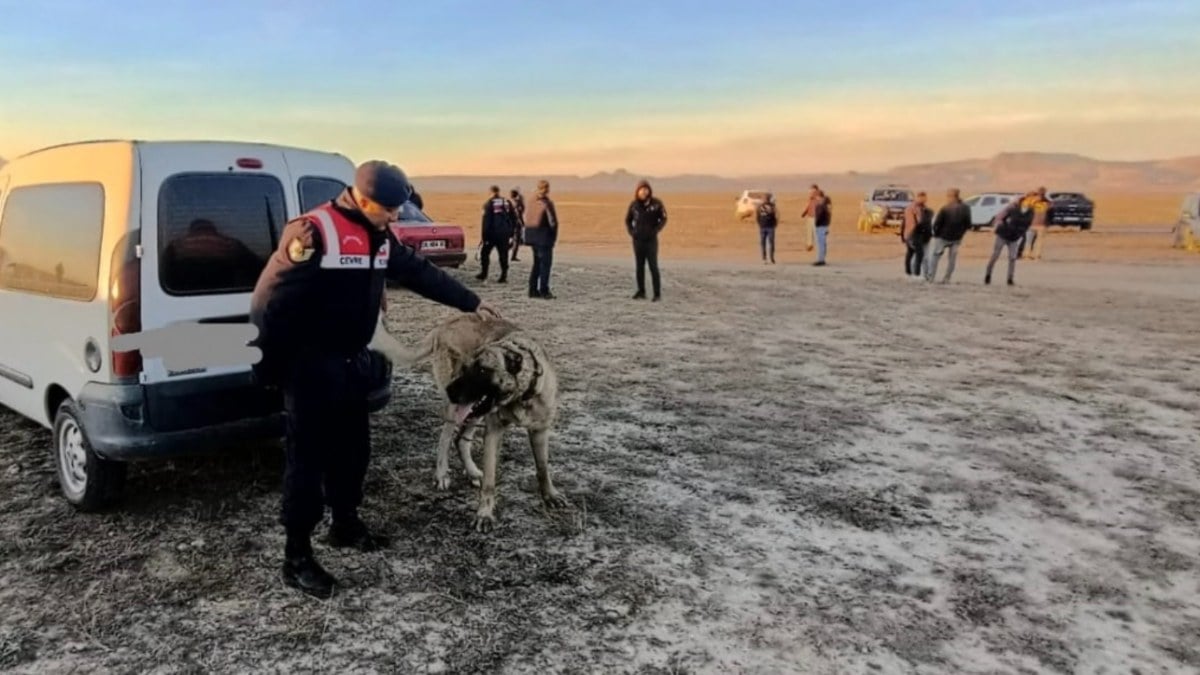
{"type": "Point", "coordinates": [387, 344]}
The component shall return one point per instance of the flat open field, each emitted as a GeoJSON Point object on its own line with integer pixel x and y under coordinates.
{"type": "Point", "coordinates": [777, 469]}
{"type": "Point", "coordinates": [1128, 227]}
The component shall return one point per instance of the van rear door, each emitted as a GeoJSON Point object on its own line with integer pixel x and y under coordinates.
{"type": "Point", "coordinates": [211, 217]}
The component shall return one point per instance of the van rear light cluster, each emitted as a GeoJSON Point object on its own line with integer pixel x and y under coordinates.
{"type": "Point", "coordinates": [125, 302]}
{"type": "Point", "coordinates": [249, 163]}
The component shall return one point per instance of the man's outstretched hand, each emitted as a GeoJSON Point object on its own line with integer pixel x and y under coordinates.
{"type": "Point", "coordinates": [487, 310]}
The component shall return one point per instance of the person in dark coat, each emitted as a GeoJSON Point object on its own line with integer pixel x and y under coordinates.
{"type": "Point", "coordinates": [518, 202]}
{"type": "Point", "coordinates": [1011, 226]}
{"type": "Point", "coordinates": [950, 225]}
{"type": "Point", "coordinates": [316, 306]}
{"type": "Point", "coordinates": [497, 231]}
{"type": "Point", "coordinates": [915, 234]}
{"type": "Point", "coordinates": [541, 234]}
{"type": "Point", "coordinates": [644, 219]}
{"type": "Point", "coordinates": [768, 217]}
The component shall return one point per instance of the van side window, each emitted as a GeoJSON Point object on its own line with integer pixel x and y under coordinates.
{"type": "Point", "coordinates": [217, 230]}
{"type": "Point", "coordinates": [50, 240]}
{"type": "Point", "coordinates": [315, 191]}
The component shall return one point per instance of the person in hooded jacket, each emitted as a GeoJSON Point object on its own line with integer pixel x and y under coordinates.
{"type": "Point", "coordinates": [644, 219]}
{"type": "Point", "coordinates": [1011, 226]}
{"type": "Point", "coordinates": [541, 234]}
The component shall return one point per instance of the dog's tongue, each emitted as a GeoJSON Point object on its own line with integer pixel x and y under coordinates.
{"type": "Point", "coordinates": [461, 413]}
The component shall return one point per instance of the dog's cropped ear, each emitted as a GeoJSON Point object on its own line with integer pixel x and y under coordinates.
{"type": "Point", "coordinates": [512, 362]}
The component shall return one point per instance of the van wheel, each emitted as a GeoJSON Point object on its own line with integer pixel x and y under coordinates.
{"type": "Point", "coordinates": [88, 482]}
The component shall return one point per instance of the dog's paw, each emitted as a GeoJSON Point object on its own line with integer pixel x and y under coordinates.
{"type": "Point", "coordinates": [555, 500]}
{"type": "Point", "coordinates": [485, 522]}
{"type": "Point", "coordinates": [442, 482]}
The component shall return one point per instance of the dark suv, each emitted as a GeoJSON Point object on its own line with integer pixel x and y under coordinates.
{"type": "Point", "coordinates": [1070, 208]}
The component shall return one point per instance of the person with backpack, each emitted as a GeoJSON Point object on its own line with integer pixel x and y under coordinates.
{"type": "Point", "coordinates": [768, 217]}
{"type": "Point", "coordinates": [1011, 226]}
{"type": "Point", "coordinates": [915, 234]}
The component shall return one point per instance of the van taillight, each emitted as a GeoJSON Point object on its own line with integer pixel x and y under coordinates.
{"type": "Point", "coordinates": [125, 302]}
{"type": "Point", "coordinates": [249, 163]}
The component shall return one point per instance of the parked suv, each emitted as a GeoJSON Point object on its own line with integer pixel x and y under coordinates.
{"type": "Point", "coordinates": [748, 203]}
{"type": "Point", "coordinates": [985, 206]}
{"type": "Point", "coordinates": [108, 238]}
{"type": "Point", "coordinates": [1070, 208]}
{"type": "Point", "coordinates": [1187, 228]}
{"type": "Point", "coordinates": [884, 207]}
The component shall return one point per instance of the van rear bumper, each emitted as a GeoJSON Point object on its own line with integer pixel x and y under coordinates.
{"type": "Point", "coordinates": [136, 421]}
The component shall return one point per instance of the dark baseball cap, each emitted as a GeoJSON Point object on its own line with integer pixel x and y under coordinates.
{"type": "Point", "coordinates": [383, 183]}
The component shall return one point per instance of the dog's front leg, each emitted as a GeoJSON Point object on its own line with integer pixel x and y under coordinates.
{"type": "Point", "coordinates": [485, 518]}
{"type": "Point", "coordinates": [539, 441]}
{"type": "Point", "coordinates": [442, 474]}
{"type": "Point", "coordinates": [464, 450]}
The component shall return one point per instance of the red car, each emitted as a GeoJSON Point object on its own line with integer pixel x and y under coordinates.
{"type": "Point", "coordinates": [442, 243]}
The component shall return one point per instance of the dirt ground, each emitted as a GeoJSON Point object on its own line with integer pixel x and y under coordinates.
{"type": "Point", "coordinates": [777, 469]}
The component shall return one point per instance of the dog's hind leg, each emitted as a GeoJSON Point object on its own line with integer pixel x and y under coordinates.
{"type": "Point", "coordinates": [485, 517]}
{"type": "Point", "coordinates": [539, 441]}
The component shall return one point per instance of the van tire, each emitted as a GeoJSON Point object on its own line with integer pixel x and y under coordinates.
{"type": "Point", "coordinates": [88, 482]}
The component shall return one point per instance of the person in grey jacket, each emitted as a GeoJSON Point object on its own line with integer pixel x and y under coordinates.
{"type": "Point", "coordinates": [541, 234]}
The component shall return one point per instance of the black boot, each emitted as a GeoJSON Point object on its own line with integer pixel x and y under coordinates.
{"type": "Point", "coordinates": [306, 574]}
{"type": "Point", "coordinates": [353, 533]}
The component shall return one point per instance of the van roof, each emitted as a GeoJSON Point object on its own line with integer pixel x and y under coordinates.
{"type": "Point", "coordinates": [177, 142]}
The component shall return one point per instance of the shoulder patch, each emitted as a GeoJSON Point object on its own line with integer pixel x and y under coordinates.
{"type": "Point", "coordinates": [298, 250]}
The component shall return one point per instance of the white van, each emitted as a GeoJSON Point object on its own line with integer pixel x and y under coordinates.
{"type": "Point", "coordinates": [104, 238]}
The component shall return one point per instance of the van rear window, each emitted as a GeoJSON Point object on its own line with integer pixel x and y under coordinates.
{"type": "Point", "coordinates": [216, 231]}
{"type": "Point", "coordinates": [315, 191]}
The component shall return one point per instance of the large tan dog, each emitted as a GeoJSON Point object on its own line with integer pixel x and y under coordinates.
{"type": "Point", "coordinates": [494, 376]}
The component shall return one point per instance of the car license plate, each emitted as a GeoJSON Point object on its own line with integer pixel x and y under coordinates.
{"type": "Point", "coordinates": [433, 244]}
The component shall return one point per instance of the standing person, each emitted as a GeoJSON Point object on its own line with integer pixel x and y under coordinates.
{"type": "Point", "coordinates": [644, 219]}
{"type": "Point", "coordinates": [497, 231]}
{"type": "Point", "coordinates": [768, 218]}
{"type": "Point", "coordinates": [810, 222]}
{"type": "Point", "coordinates": [822, 207]}
{"type": "Point", "coordinates": [316, 306]}
{"type": "Point", "coordinates": [518, 202]}
{"type": "Point", "coordinates": [915, 234]}
{"type": "Point", "coordinates": [949, 226]}
{"type": "Point", "coordinates": [1040, 213]}
{"type": "Point", "coordinates": [1010, 226]}
{"type": "Point", "coordinates": [541, 234]}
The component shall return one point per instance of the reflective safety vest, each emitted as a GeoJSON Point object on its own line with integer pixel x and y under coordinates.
{"type": "Point", "coordinates": [347, 246]}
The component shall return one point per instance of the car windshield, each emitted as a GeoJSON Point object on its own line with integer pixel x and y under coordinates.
{"type": "Point", "coordinates": [892, 196]}
{"type": "Point", "coordinates": [1065, 195]}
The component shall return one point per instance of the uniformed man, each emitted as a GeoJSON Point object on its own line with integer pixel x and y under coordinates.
{"type": "Point", "coordinates": [497, 226]}
{"type": "Point", "coordinates": [316, 306]}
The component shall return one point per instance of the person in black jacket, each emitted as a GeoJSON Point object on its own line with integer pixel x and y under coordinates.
{"type": "Point", "coordinates": [644, 219]}
{"type": "Point", "coordinates": [768, 218]}
{"type": "Point", "coordinates": [497, 232]}
{"type": "Point", "coordinates": [1011, 225]}
{"type": "Point", "coordinates": [316, 306]}
{"type": "Point", "coordinates": [949, 225]}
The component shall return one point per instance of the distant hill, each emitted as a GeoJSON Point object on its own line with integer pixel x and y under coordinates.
{"type": "Point", "coordinates": [1006, 171]}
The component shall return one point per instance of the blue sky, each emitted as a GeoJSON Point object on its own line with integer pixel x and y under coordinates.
{"type": "Point", "coordinates": [661, 87]}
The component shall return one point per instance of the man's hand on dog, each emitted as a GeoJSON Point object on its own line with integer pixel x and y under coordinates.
{"type": "Point", "coordinates": [487, 310]}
